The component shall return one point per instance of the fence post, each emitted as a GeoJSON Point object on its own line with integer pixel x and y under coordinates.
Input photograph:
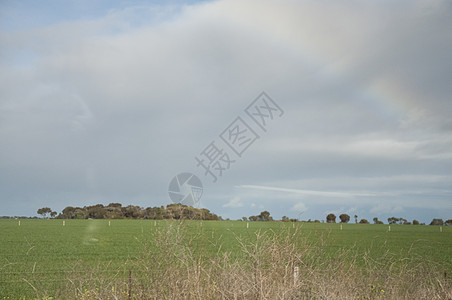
{"type": "Point", "coordinates": [130, 284]}
{"type": "Point", "coordinates": [295, 276]}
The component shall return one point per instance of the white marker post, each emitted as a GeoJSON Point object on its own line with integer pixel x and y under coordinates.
{"type": "Point", "coordinates": [389, 228]}
{"type": "Point", "coordinates": [64, 223]}
{"type": "Point", "coordinates": [155, 223]}
{"type": "Point", "coordinates": [19, 222]}
{"type": "Point", "coordinates": [295, 276]}
{"type": "Point", "coordinates": [341, 226]}
{"type": "Point", "coordinates": [441, 229]}
{"type": "Point", "coordinates": [109, 223]}
{"type": "Point", "coordinates": [247, 224]}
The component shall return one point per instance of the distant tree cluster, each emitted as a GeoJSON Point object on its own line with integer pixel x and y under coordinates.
{"type": "Point", "coordinates": [263, 216]}
{"type": "Point", "coordinates": [331, 218]}
{"type": "Point", "coordinates": [287, 219]}
{"type": "Point", "coordinates": [46, 211]}
{"type": "Point", "coordinates": [117, 211]}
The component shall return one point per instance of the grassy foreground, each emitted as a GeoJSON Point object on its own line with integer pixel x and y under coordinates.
{"type": "Point", "coordinates": [123, 259]}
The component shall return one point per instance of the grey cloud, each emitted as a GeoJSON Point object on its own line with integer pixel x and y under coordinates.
{"type": "Point", "coordinates": [110, 110]}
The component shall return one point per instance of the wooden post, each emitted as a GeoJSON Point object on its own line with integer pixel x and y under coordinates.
{"type": "Point", "coordinates": [295, 276]}
{"type": "Point", "coordinates": [441, 229]}
{"type": "Point", "coordinates": [341, 226]}
{"type": "Point", "coordinates": [19, 222]}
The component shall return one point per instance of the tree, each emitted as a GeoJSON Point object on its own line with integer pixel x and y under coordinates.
{"type": "Point", "coordinates": [363, 221]}
{"type": "Point", "coordinates": [402, 221]}
{"type": "Point", "coordinates": [356, 219]}
{"type": "Point", "coordinates": [344, 218]}
{"type": "Point", "coordinates": [253, 218]}
{"type": "Point", "coordinates": [448, 222]}
{"type": "Point", "coordinates": [393, 220]}
{"type": "Point", "coordinates": [331, 218]}
{"type": "Point", "coordinates": [264, 216]}
{"type": "Point", "coordinates": [285, 219]}
{"type": "Point", "coordinates": [244, 219]}
{"type": "Point", "coordinates": [415, 222]}
{"type": "Point", "coordinates": [44, 211]}
{"type": "Point", "coordinates": [437, 222]}
{"type": "Point", "coordinates": [376, 221]}
{"type": "Point", "coordinates": [53, 214]}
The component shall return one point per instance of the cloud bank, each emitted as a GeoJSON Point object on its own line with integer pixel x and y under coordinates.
{"type": "Point", "coordinates": [109, 107]}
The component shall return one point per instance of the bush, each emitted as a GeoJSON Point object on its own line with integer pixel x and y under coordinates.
{"type": "Point", "coordinates": [363, 221]}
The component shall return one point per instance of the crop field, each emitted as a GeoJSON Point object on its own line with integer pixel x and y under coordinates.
{"type": "Point", "coordinates": [136, 259]}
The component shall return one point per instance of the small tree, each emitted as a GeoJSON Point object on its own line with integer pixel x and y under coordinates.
{"type": "Point", "coordinates": [437, 222]}
{"type": "Point", "coordinates": [264, 216]}
{"type": "Point", "coordinates": [285, 219]}
{"type": "Point", "coordinates": [53, 214]}
{"type": "Point", "coordinates": [44, 211]}
{"type": "Point", "coordinates": [344, 218]}
{"type": "Point", "coordinates": [402, 221]}
{"type": "Point", "coordinates": [363, 221]}
{"type": "Point", "coordinates": [415, 222]}
{"type": "Point", "coordinates": [331, 218]}
{"type": "Point", "coordinates": [376, 221]}
{"type": "Point", "coordinates": [392, 220]}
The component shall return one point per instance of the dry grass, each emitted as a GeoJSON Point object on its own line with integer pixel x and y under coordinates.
{"type": "Point", "coordinates": [171, 266]}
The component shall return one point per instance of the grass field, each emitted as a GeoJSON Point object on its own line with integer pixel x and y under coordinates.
{"type": "Point", "coordinates": [90, 259]}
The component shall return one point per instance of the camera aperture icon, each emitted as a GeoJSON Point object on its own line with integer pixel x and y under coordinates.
{"type": "Point", "coordinates": [185, 188]}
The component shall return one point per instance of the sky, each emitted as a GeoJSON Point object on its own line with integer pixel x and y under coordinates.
{"type": "Point", "coordinates": [107, 101]}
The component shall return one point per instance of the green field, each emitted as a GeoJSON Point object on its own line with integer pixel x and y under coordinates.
{"type": "Point", "coordinates": [39, 257]}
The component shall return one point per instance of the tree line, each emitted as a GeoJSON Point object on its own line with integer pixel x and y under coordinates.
{"type": "Point", "coordinates": [180, 211]}
{"type": "Point", "coordinates": [331, 218]}
{"type": "Point", "coordinates": [117, 211]}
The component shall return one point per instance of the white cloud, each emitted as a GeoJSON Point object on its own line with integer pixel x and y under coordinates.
{"type": "Point", "coordinates": [305, 192]}
{"type": "Point", "coordinates": [234, 203]}
{"type": "Point", "coordinates": [386, 209]}
{"type": "Point", "coordinates": [299, 207]}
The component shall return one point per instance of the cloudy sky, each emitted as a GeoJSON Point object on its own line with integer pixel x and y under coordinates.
{"type": "Point", "coordinates": [106, 101]}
